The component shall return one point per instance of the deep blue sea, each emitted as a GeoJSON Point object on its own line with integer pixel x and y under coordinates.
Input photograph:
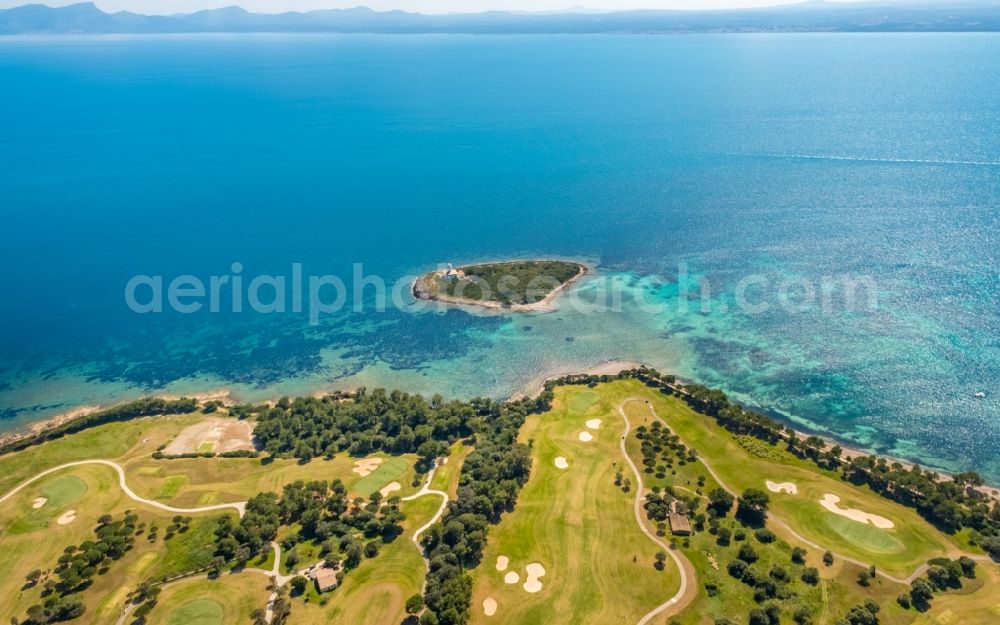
{"type": "Point", "coordinates": [686, 169]}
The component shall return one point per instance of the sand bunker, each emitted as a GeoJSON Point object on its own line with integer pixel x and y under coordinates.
{"type": "Point", "coordinates": [535, 571]}
{"type": "Point", "coordinates": [781, 487]}
{"type": "Point", "coordinates": [38, 503]}
{"type": "Point", "coordinates": [217, 434]}
{"type": "Point", "coordinates": [389, 488]}
{"type": "Point", "coordinates": [366, 466]}
{"type": "Point", "coordinates": [593, 423]}
{"type": "Point", "coordinates": [67, 517]}
{"type": "Point", "coordinates": [489, 606]}
{"type": "Point", "coordinates": [830, 501]}
{"type": "Point", "coordinates": [511, 578]}
{"type": "Point", "coordinates": [586, 437]}
{"type": "Point", "coordinates": [502, 562]}
{"type": "Point", "coordinates": [561, 463]}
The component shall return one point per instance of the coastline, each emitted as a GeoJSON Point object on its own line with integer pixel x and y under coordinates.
{"type": "Point", "coordinates": [532, 389]}
{"type": "Point", "coordinates": [546, 304]}
{"type": "Point", "coordinates": [223, 396]}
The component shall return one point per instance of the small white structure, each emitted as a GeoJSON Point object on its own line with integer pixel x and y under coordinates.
{"type": "Point", "coordinates": [450, 273]}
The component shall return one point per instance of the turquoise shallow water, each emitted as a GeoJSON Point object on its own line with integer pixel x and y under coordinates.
{"type": "Point", "coordinates": [666, 162]}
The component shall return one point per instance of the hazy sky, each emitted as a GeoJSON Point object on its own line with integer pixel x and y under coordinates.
{"type": "Point", "coordinates": [423, 6]}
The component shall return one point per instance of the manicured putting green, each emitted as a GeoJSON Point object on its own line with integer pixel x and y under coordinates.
{"type": "Point", "coordinates": [59, 492]}
{"type": "Point", "coordinates": [386, 472]}
{"type": "Point", "coordinates": [63, 490]}
{"type": "Point", "coordinates": [864, 535]}
{"type": "Point", "coordinates": [198, 612]}
{"type": "Point", "coordinates": [581, 401]}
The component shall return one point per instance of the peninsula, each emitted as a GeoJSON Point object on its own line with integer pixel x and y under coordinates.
{"type": "Point", "coordinates": [522, 285]}
{"type": "Point", "coordinates": [382, 507]}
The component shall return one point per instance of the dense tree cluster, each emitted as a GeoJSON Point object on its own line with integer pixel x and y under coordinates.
{"type": "Point", "coordinates": [322, 512]}
{"type": "Point", "coordinates": [864, 614]}
{"type": "Point", "coordinates": [942, 574]}
{"type": "Point", "coordinates": [490, 481]}
{"type": "Point", "coordinates": [76, 569]}
{"type": "Point", "coordinates": [661, 448]}
{"type": "Point", "coordinates": [362, 423]}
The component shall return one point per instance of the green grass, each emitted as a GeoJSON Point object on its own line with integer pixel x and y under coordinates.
{"type": "Point", "coordinates": [206, 447]}
{"type": "Point", "coordinates": [61, 491]}
{"type": "Point", "coordinates": [198, 612]}
{"type": "Point", "coordinates": [912, 542]}
{"type": "Point", "coordinates": [865, 536]}
{"type": "Point", "coordinates": [111, 441]}
{"type": "Point", "coordinates": [582, 401]}
{"type": "Point", "coordinates": [170, 487]}
{"type": "Point", "coordinates": [189, 550]}
{"type": "Point", "coordinates": [391, 469]}
{"type": "Point", "coordinates": [376, 591]}
{"type": "Point", "coordinates": [577, 524]}
{"type": "Point", "coordinates": [978, 604]}
{"type": "Point", "coordinates": [228, 600]}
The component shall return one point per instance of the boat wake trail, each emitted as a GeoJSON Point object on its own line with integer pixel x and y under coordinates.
{"type": "Point", "coordinates": [864, 159]}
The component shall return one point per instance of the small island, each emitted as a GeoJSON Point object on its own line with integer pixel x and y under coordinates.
{"type": "Point", "coordinates": [522, 286]}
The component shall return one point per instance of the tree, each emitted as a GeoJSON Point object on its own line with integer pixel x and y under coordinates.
{"type": "Point", "coordinates": [968, 567]}
{"type": "Point", "coordinates": [299, 584]}
{"type": "Point", "coordinates": [414, 604]}
{"type": "Point", "coordinates": [723, 536]}
{"type": "Point", "coordinates": [720, 501]}
{"type": "Point", "coordinates": [798, 555]}
{"type": "Point", "coordinates": [752, 507]}
{"type": "Point", "coordinates": [811, 576]}
{"type": "Point", "coordinates": [747, 553]}
{"type": "Point", "coordinates": [921, 593]}
{"type": "Point", "coordinates": [661, 558]}
{"type": "Point", "coordinates": [864, 578]}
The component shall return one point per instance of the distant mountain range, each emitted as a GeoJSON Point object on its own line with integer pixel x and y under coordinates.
{"type": "Point", "coordinates": [808, 17]}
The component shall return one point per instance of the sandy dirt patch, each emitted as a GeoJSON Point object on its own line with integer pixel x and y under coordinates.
{"type": "Point", "coordinates": [502, 562]}
{"type": "Point", "coordinates": [712, 560]}
{"type": "Point", "coordinates": [781, 487]}
{"type": "Point", "coordinates": [586, 437]}
{"type": "Point", "coordinates": [489, 606]}
{"type": "Point", "coordinates": [391, 487]}
{"type": "Point", "coordinates": [593, 423]}
{"type": "Point", "coordinates": [67, 517]}
{"type": "Point", "coordinates": [38, 503]}
{"type": "Point", "coordinates": [366, 466]}
{"type": "Point", "coordinates": [830, 501]}
{"type": "Point", "coordinates": [561, 463]}
{"type": "Point", "coordinates": [216, 434]}
{"type": "Point", "coordinates": [535, 571]}
{"type": "Point", "coordinates": [511, 578]}
{"type": "Point", "coordinates": [609, 367]}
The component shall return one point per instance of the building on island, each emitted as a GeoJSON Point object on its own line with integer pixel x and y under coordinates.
{"type": "Point", "coordinates": [450, 273]}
